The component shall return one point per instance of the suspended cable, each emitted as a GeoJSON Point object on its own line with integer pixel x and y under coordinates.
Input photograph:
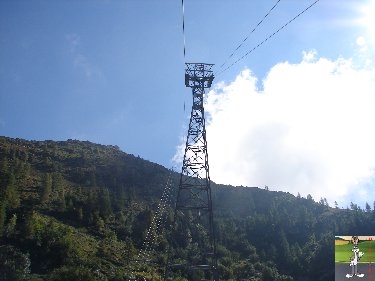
{"type": "Point", "coordinates": [269, 37]}
{"type": "Point", "coordinates": [183, 27]}
{"type": "Point", "coordinates": [156, 226]}
{"type": "Point", "coordinates": [252, 31]}
{"type": "Point", "coordinates": [183, 34]}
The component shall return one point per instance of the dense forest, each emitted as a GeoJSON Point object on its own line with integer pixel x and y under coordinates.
{"type": "Point", "coordinates": [75, 210]}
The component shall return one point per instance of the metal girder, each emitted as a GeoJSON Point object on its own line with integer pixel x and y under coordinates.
{"type": "Point", "coordinates": [194, 200]}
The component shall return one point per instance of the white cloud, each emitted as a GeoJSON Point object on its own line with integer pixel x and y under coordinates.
{"type": "Point", "coordinates": [362, 44]}
{"type": "Point", "coordinates": [310, 130]}
{"type": "Point", "coordinates": [80, 61]}
{"type": "Point", "coordinates": [90, 71]}
{"type": "Point", "coordinates": [364, 52]}
{"type": "Point", "coordinates": [309, 56]}
{"type": "Point", "coordinates": [361, 41]}
{"type": "Point", "coordinates": [74, 41]}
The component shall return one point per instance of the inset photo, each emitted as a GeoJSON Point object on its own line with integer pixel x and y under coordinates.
{"type": "Point", "coordinates": [354, 257]}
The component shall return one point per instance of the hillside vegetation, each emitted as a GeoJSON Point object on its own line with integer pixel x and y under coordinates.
{"type": "Point", "coordinates": [74, 210]}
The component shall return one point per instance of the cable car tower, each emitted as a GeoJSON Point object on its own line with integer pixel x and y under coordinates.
{"type": "Point", "coordinates": [192, 227]}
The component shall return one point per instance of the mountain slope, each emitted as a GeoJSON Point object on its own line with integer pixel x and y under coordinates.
{"type": "Point", "coordinates": [80, 211]}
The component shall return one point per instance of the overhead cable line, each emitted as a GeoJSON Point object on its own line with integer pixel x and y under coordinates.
{"type": "Point", "coordinates": [145, 255]}
{"type": "Point", "coordinates": [252, 31]}
{"type": "Point", "coordinates": [183, 28]}
{"type": "Point", "coordinates": [183, 34]}
{"type": "Point", "coordinates": [269, 37]}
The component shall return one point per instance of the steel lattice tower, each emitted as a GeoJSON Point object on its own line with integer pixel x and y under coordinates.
{"type": "Point", "coordinates": [192, 227]}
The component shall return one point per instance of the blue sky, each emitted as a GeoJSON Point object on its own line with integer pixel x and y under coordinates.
{"type": "Point", "coordinates": [112, 72]}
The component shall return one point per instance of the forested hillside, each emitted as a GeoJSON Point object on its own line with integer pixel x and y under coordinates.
{"type": "Point", "coordinates": [75, 210]}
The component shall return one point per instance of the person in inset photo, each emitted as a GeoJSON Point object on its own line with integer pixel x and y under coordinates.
{"type": "Point", "coordinates": [354, 259]}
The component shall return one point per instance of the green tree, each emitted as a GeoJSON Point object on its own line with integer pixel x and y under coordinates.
{"type": "Point", "coordinates": [12, 198]}
{"type": "Point", "coordinates": [58, 189]}
{"type": "Point", "coordinates": [58, 185]}
{"type": "Point", "coordinates": [14, 265]}
{"type": "Point", "coordinates": [353, 206]}
{"type": "Point", "coordinates": [33, 227]}
{"type": "Point", "coordinates": [92, 179]}
{"type": "Point", "coordinates": [90, 206]}
{"type": "Point", "coordinates": [368, 208]}
{"type": "Point", "coordinates": [11, 226]}
{"type": "Point", "coordinates": [80, 214]}
{"type": "Point", "coordinates": [100, 225]}
{"type": "Point", "coordinates": [4, 166]}
{"type": "Point", "coordinates": [285, 253]}
{"type": "Point", "coordinates": [46, 188]}
{"type": "Point", "coordinates": [2, 217]}
{"type": "Point", "coordinates": [104, 203]}
{"type": "Point", "coordinates": [74, 273]}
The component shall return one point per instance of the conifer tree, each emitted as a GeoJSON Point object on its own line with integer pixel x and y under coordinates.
{"type": "Point", "coordinates": [104, 203]}
{"type": "Point", "coordinates": [4, 165]}
{"type": "Point", "coordinates": [47, 188]}
{"type": "Point", "coordinates": [368, 208]}
{"type": "Point", "coordinates": [80, 214]}
{"type": "Point", "coordinates": [58, 189]}
{"type": "Point", "coordinates": [2, 217]}
{"type": "Point", "coordinates": [12, 198]}
{"type": "Point", "coordinates": [11, 226]}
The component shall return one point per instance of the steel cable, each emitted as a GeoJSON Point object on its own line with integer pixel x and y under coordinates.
{"type": "Point", "coordinates": [269, 37]}
{"type": "Point", "coordinates": [156, 225]}
{"type": "Point", "coordinates": [252, 31]}
{"type": "Point", "coordinates": [183, 28]}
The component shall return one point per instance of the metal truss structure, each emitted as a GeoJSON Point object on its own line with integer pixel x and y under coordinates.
{"type": "Point", "coordinates": [192, 227]}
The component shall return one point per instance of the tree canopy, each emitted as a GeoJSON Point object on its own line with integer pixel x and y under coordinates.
{"type": "Point", "coordinates": [75, 210]}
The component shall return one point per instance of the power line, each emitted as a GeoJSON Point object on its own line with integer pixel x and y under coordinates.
{"type": "Point", "coordinates": [252, 31]}
{"type": "Point", "coordinates": [269, 37]}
